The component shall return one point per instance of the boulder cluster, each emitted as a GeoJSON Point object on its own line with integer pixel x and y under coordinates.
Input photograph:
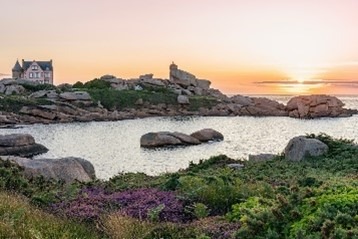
{"type": "Point", "coordinates": [165, 139]}
{"type": "Point", "coordinates": [315, 106]}
{"type": "Point", "coordinates": [23, 145]}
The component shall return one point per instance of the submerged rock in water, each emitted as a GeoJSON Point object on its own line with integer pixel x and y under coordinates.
{"type": "Point", "coordinates": [20, 145]}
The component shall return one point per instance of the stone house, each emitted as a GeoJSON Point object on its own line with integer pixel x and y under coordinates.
{"type": "Point", "coordinates": [35, 71]}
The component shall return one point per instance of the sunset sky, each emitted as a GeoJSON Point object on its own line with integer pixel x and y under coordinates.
{"type": "Point", "coordinates": [242, 46]}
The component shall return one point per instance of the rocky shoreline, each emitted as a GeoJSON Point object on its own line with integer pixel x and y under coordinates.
{"type": "Point", "coordinates": [110, 99]}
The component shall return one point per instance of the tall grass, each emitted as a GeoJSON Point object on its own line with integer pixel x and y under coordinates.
{"type": "Point", "coordinates": [19, 219]}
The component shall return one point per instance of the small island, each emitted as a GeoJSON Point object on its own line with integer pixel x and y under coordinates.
{"type": "Point", "coordinates": [109, 98]}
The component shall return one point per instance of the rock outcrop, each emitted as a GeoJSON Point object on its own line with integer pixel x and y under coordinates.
{"type": "Point", "coordinates": [22, 145]}
{"type": "Point", "coordinates": [76, 95]}
{"type": "Point", "coordinates": [50, 94]}
{"type": "Point", "coordinates": [300, 147]}
{"type": "Point", "coordinates": [183, 100]}
{"type": "Point", "coordinates": [315, 106]}
{"type": "Point", "coordinates": [163, 139]}
{"type": "Point", "coordinates": [10, 87]}
{"type": "Point", "coordinates": [65, 169]}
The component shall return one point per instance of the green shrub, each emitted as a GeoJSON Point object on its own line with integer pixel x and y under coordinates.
{"type": "Point", "coordinates": [14, 103]}
{"type": "Point", "coordinates": [217, 192]}
{"type": "Point", "coordinates": [78, 84]}
{"type": "Point", "coordinates": [39, 190]}
{"type": "Point", "coordinates": [97, 84]}
{"type": "Point", "coordinates": [113, 99]}
{"type": "Point", "coordinates": [202, 101]}
{"type": "Point", "coordinates": [37, 87]}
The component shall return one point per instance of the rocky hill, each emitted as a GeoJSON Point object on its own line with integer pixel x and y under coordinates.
{"type": "Point", "coordinates": [111, 98]}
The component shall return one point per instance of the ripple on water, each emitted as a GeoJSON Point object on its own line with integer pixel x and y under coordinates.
{"type": "Point", "coordinates": [114, 147]}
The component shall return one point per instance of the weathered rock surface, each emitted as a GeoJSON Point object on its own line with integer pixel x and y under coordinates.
{"type": "Point", "coordinates": [10, 87]}
{"type": "Point", "coordinates": [20, 145]}
{"type": "Point", "coordinates": [300, 147]}
{"type": "Point", "coordinates": [76, 95]}
{"type": "Point", "coordinates": [66, 169]}
{"type": "Point", "coordinates": [183, 100]}
{"type": "Point", "coordinates": [161, 139]}
{"type": "Point", "coordinates": [51, 94]}
{"type": "Point", "coordinates": [236, 166]}
{"type": "Point", "coordinates": [206, 135]}
{"type": "Point", "coordinates": [314, 106]}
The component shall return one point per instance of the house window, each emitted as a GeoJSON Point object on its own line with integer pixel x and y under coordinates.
{"type": "Point", "coordinates": [47, 74]}
{"type": "Point", "coordinates": [34, 67]}
{"type": "Point", "coordinates": [31, 75]}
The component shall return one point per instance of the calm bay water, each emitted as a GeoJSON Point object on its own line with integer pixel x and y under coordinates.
{"type": "Point", "coordinates": [113, 147]}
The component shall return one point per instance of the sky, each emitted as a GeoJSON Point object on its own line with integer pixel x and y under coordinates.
{"type": "Point", "coordinates": [241, 46]}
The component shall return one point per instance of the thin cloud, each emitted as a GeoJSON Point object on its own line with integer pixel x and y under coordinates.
{"type": "Point", "coordinates": [3, 74]}
{"type": "Point", "coordinates": [310, 82]}
{"type": "Point", "coordinates": [347, 63]}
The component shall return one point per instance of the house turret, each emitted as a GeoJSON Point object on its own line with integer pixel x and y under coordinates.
{"type": "Point", "coordinates": [17, 70]}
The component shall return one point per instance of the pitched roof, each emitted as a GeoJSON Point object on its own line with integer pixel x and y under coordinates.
{"type": "Point", "coordinates": [43, 65]}
{"type": "Point", "coordinates": [17, 66]}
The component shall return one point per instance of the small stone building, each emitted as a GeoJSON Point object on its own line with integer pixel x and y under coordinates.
{"type": "Point", "coordinates": [35, 71]}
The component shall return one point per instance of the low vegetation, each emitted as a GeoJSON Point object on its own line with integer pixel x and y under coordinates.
{"type": "Point", "coordinates": [20, 219]}
{"type": "Point", "coordinates": [37, 87]}
{"type": "Point", "coordinates": [314, 198]}
{"type": "Point", "coordinates": [115, 100]}
{"type": "Point", "coordinates": [14, 103]}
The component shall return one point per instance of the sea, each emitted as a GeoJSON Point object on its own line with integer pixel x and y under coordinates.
{"type": "Point", "coordinates": [114, 147]}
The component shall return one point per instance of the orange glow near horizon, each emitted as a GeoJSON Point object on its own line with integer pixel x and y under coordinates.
{"type": "Point", "coordinates": [242, 46]}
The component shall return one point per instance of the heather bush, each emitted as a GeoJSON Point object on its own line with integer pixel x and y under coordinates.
{"type": "Point", "coordinates": [89, 205]}
{"type": "Point", "coordinates": [93, 202]}
{"type": "Point", "coordinates": [140, 204]}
